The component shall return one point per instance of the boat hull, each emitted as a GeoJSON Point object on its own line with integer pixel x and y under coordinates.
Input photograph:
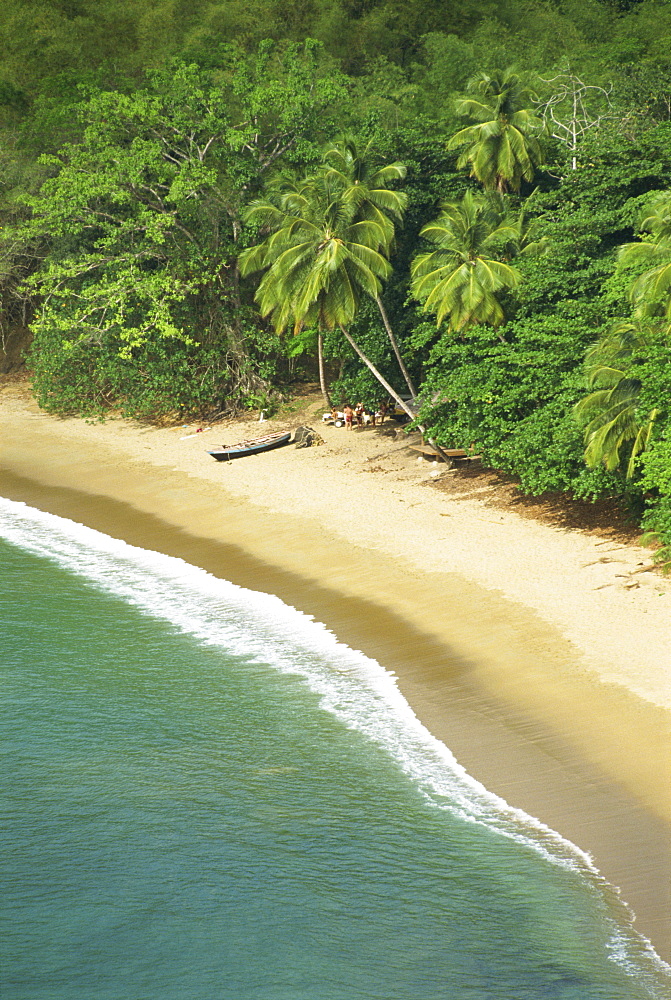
{"type": "Point", "coordinates": [250, 447]}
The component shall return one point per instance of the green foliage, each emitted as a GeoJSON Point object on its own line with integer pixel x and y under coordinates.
{"type": "Point", "coordinates": [159, 380]}
{"type": "Point", "coordinates": [126, 213]}
{"type": "Point", "coordinates": [654, 466]}
{"type": "Point", "coordinates": [650, 292]}
{"type": "Point", "coordinates": [330, 235]}
{"type": "Point", "coordinates": [627, 413]}
{"type": "Point", "coordinates": [464, 277]}
{"type": "Point", "coordinates": [138, 222]}
{"type": "Point", "coordinates": [610, 414]}
{"type": "Point", "coordinates": [320, 257]}
{"type": "Point", "coordinates": [446, 65]}
{"type": "Point", "coordinates": [512, 402]}
{"type": "Point", "coordinates": [656, 480]}
{"type": "Point", "coordinates": [355, 382]}
{"type": "Point", "coordinates": [501, 145]}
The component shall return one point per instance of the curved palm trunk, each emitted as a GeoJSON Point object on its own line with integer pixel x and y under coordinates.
{"type": "Point", "coordinates": [394, 344]}
{"type": "Point", "coordinates": [378, 374]}
{"type": "Point", "coordinates": [322, 373]}
{"type": "Point", "coordinates": [392, 392]}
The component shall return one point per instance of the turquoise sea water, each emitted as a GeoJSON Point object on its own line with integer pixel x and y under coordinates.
{"type": "Point", "coordinates": [208, 797]}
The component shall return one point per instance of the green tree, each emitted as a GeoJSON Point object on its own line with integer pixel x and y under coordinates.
{"type": "Point", "coordinates": [501, 144]}
{"type": "Point", "coordinates": [365, 184]}
{"type": "Point", "coordinates": [512, 402]}
{"type": "Point", "coordinates": [610, 415]}
{"type": "Point", "coordinates": [515, 401]}
{"type": "Point", "coordinates": [623, 366]}
{"type": "Point", "coordinates": [320, 258]}
{"type": "Point", "coordinates": [650, 292]}
{"type": "Point", "coordinates": [463, 278]}
{"type": "Point", "coordinates": [136, 226]}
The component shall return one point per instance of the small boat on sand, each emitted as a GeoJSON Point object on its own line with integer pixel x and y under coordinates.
{"type": "Point", "coordinates": [270, 441]}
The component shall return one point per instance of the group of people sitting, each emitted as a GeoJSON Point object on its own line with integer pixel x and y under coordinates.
{"type": "Point", "coordinates": [357, 416]}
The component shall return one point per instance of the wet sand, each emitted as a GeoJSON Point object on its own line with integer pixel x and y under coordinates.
{"type": "Point", "coordinates": [510, 693]}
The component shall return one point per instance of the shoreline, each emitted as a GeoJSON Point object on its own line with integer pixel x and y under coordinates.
{"type": "Point", "coordinates": [544, 716]}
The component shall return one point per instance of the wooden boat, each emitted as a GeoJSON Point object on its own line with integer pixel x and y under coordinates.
{"type": "Point", "coordinates": [270, 441]}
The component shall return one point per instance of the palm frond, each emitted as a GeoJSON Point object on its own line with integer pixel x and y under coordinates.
{"type": "Point", "coordinates": [331, 232]}
{"type": "Point", "coordinates": [609, 414]}
{"type": "Point", "coordinates": [501, 142]}
{"type": "Point", "coordinates": [655, 218]}
{"type": "Point", "coordinates": [461, 278]}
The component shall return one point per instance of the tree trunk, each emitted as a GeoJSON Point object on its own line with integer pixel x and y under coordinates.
{"type": "Point", "coordinates": [239, 345]}
{"type": "Point", "coordinates": [394, 344]}
{"type": "Point", "coordinates": [378, 375]}
{"type": "Point", "coordinates": [322, 374]}
{"type": "Point", "coordinates": [392, 392]}
{"type": "Point", "coordinates": [243, 373]}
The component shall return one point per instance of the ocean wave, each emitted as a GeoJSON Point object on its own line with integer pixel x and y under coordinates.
{"type": "Point", "coordinates": [355, 688]}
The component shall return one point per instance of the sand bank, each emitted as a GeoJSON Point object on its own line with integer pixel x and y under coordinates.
{"type": "Point", "coordinates": [541, 656]}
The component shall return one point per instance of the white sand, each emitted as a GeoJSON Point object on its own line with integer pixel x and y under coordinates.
{"type": "Point", "coordinates": [372, 492]}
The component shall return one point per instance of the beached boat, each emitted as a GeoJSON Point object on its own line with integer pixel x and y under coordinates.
{"type": "Point", "coordinates": [226, 454]}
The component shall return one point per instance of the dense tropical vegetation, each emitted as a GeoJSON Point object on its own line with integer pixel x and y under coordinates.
{"type": "Point", "coordinates": [468, 205]}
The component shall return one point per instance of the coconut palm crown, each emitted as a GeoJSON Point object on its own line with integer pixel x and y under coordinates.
{"type": "Point", "coordinates": [319, 258]}
{"type": "Point", "coordinates": [609, 414]}
{"type": "Point", "coordinates": [365, 183]}
{"type": "Point", "coordinates": [650, 292]}
{"type": "Point", "coordinates": [501, 144]}
{"type": "Point", "coordinates": [462, 278]}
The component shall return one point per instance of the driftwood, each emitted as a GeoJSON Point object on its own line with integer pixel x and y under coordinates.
{"type": "Point", "coordinates": [448, 455]}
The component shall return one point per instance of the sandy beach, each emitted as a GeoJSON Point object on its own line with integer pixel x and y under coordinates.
{"type": "Point", "coordinates": [539, 653]}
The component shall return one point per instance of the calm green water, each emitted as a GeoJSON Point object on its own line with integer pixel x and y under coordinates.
{"type": "Point", "coordinates": [208, 797]}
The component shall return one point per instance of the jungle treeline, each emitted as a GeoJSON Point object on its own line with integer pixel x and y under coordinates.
{"type": "Point", "coordinates": [465, 206]}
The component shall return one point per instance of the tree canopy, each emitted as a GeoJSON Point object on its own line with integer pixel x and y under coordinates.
{"type": "Point", "coordinates": [501, 146]}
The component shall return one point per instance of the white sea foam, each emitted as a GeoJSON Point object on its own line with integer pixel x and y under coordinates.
{"type": "Point", "coordinates": [352, 686]}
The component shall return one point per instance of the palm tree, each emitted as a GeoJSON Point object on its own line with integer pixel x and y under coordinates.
{"type": "Point", "coordinates": [500, 145]}
{"type": "Point", "coordinates": [319, 260]}
{"type": "Point", "coordinates": [609, 414]}
{"type": "Point", "coordinates": [650, 292]}
{"type": "Point", "coordinates": [287, 197]}
{"type": "Point", "coordinates": [462, 278]}
{"type": "Point", "coordinates": [366, 186]}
